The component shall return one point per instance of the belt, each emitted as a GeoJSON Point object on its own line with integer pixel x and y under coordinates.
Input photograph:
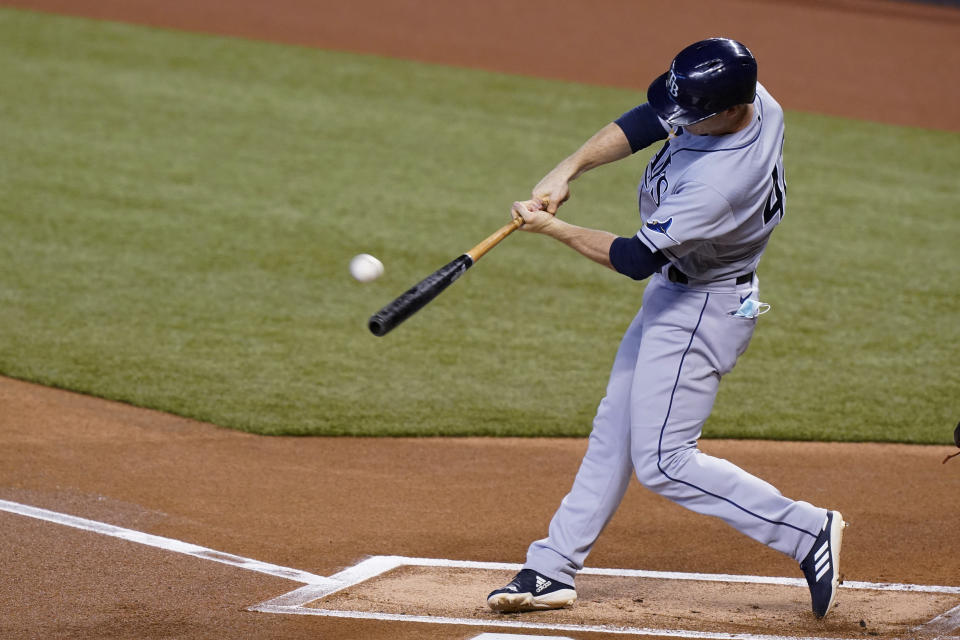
{"type": "Point", "coordinates": [675, 275]}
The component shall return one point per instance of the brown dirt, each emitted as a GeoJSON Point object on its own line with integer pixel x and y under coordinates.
{"type": "Point", "coordinates": [865, 59]}
{"type": "Point", "coordinates": [322, 504]}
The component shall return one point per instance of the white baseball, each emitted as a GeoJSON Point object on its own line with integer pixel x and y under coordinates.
{"type": "Point", "coordinates": [365, 268]}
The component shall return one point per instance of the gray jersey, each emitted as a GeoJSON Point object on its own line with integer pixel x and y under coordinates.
{"type": "Point", "coordinates": [709, 203]}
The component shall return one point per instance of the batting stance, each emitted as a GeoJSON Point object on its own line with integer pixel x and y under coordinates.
{"type": "Point", "coordinates": [709, 199]}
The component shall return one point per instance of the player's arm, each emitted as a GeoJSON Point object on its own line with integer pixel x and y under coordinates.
{"type": "Point", "coordinates": [607, 145]}
{"type": "Point", "coordinates": [634, 130]}
{"type": "Point", "coordinates": [628, 256]}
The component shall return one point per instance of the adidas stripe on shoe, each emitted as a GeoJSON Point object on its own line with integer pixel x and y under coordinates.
{"type": "Point", "coordinates": [821, 567]}
{"type": "Point", "coordinates": [531, 591]}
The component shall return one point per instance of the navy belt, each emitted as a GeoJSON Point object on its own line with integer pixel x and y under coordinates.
{"type": "Point", "coordinates": [675, 275]}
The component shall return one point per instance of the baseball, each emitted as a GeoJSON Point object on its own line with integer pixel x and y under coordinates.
{"type": "Point", "coordinates": [365, 267]}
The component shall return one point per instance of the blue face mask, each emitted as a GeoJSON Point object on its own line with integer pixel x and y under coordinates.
{"type": "Point", "coordinates": [751, 309]}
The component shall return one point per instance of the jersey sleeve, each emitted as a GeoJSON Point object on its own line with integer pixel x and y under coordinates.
{"type": "Point", "coordinates": [632, 258]}
{"type": "Point", "coordinates": [642, 126]}
{"type": "Point", "coordinates": [694, 214]}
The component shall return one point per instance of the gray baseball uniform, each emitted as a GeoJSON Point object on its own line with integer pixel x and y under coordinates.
{"type": "Point", "coordinates": [709, 204]}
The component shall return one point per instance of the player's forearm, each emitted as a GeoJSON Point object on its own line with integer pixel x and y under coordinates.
{"type": "Point", "coordinates": [592, 243]}
{"type": "Point", "coordinates": [606, 145]}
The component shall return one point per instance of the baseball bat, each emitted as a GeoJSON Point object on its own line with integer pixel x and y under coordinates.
{"type": "Point", "coordinates": [417, 296]}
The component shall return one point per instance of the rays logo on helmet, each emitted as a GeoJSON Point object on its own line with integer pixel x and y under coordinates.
{"type": "Point", "coordinates": [672, 87]}
{"type": "Point", "coordinates": [661, 227]}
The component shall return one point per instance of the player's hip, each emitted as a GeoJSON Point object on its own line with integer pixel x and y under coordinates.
{"type": "Point", "coordinates": [683, 322]}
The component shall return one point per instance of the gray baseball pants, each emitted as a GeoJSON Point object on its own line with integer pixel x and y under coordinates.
{"type": "Point", "coordinates": [661, 391]}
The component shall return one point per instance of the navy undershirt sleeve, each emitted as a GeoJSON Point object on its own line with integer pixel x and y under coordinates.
{"type": "Point", "coordinates": [641, 126]}
{"type": "Point", "coordinates": [632, 258]}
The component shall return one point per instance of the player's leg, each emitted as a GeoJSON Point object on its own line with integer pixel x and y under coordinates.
{"type": "Point", "coordinates": [690, 341]}
{"type": "Point", "coordinates": [596, 493]}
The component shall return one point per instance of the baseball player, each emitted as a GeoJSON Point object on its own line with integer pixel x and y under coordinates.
{"type": "Point", "coordinates": [708, 200]}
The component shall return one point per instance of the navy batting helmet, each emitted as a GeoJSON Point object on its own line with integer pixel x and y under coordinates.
{"type": "Point", "coordinates": [704, 79]}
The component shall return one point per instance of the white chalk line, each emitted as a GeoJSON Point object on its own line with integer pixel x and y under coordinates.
{"type": "Point", "coordinates": [512, 636]}
{"type": "Point", "coordinates": [377, 565]}
{"type": "Point", "coordinates": [317, 587]}
{"type": "Point", "coordinates": [295, 601]}
{"type": "Point", "coordinates": [545, 626]}
{"type": "Point", "coordinates": [391, 562]}
{"type": "Point", "coordinates": [160, 542]}
{"type": "Point", "coordinates": [948, 621]}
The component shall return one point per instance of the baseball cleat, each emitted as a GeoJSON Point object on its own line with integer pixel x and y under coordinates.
{"type": "Point", "coordinates": [530, 591]}
{"type": "Point", "coordinates": [821, 567]}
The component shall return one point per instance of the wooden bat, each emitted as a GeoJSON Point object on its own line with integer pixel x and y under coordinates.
{"type": "Point", "coordinates": [415, 298]}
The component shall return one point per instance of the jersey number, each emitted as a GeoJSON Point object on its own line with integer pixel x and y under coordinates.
{"type": "Point", "coordinates": [774, 204]}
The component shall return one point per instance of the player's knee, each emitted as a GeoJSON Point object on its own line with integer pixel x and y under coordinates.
{"type": "Point", "coordinates": [646, 465]}
{"type": "Point", "coordinates": [657, 469]}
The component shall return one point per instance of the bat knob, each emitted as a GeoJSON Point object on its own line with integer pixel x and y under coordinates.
{"type": "Point", "coordinates": [376, 326]}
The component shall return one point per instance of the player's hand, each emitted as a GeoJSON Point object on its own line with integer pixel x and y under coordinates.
{"type": "Point", "coordinates": [553, 190]}
{"type": "Point", "coordinates": [534, 217]}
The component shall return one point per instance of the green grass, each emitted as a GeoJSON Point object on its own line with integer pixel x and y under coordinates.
{"type": "Point", "coordinates": [179, 210]}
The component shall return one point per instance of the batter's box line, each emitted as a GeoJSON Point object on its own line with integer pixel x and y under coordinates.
{"type": "Point", "coordinates": [378, 565]}
{"type": "Point", "coordinates": [294, 602]}
{"type": "Point", "coordinates": [317, 587]}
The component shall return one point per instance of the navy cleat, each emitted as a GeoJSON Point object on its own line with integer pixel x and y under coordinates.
{"type": "Point", "coordinates": [530, 591]}
{"type": "Point", "coordinates": [821, 567]}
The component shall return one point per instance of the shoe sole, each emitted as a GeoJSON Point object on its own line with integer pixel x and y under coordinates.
{"type": "Point", "coordinates": [512, 602]}
{"type": "Point", "coordinates": [836, 539]}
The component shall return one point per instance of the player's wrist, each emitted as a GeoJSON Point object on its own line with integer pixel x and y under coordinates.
{"type": "Point", "coordinates": [554, 227]}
